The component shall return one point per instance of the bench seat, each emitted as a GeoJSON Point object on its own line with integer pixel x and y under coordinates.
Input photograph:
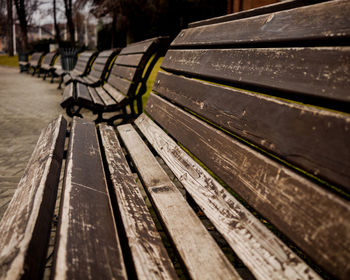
{"type": "Point", "coordinates": [238, 168]}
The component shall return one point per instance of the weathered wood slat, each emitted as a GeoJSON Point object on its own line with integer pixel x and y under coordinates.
{"type": "Point", "coordinates": [317, 72]}
{"type": "Point", "coordinates": [199, 252]}
{"type": "Point", "coordinates": [107, 99]}
{"type": "Point", "coordinates": [117, 95]}
{"type": "Point", "coordinates": [68, 95]}
{"type": "Point", "coordinates": [149, 255]}
{"type": "Point", "coordinates": [120, 84]}
{"type": "Point", "coordinates": [139, 47]}
{"type": "Point", "coordinates": [83, 94]}
{"type": "Point", "coordinates": [314, 218]}
{"type": "Point", "coordinates": [25, 226]}
{"type": "Point", "coordinates": [256, 246]}
{"type": "Point", "coordinates": [317, 22]}
{"type": "Point", "coordinates": [302, 135]}
{"type": "Point", "coordinates": [129, 60]}
{"type": "Point", "coordinates": [280, 6]}
{"type": "Point", "coordinates": [124, 71]}
{"type": "Point", "coordinates": [95, 97]}
{"type": "Point", "coordinates": [87, 244]}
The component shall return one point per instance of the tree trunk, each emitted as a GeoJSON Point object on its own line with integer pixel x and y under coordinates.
{"type": "Point", "coordinates": [9, 28]}
{"type": "Point", "coordinates": [21, 13]}
{"type": "Point", "coordinates": [69, 16]}
{"type": "Point", "coordinates": [57, 28]}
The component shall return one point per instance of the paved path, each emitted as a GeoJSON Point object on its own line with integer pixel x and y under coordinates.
{"type": "Point", "coordinates": [27, 104]}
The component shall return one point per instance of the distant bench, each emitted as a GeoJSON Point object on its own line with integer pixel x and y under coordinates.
{"type": "Point", "coordinates": [82, 67]}
{"type": "Point", "coordinates": [247, 130]}
{"type": "Point", "coordinates": [119, 88]}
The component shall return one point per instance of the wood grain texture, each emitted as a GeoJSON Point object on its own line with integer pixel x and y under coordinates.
{"type": "Point", "coordinates": [199, 252]}
{"type": "Point", "coordinates": [125, 72]}
{"type": "Point", "coordinates": [107, 99]}
{"type": "Point", "coordinates": [316, 22]}
{"type": "Point", "coordinates": [149, 255]}
{"type": "Point", "coordinates": [256, 246]}
{"type": "Point", "coordinates": [122, 85]}
{"type": "Point", "coordinates": [96, 99]}
{"type": "Point", "coordinates": [315, 219]}
{"type": "Point", "coordinates": [25, 226]}
{"type": "Point", "coordinates": [129, 60]}
{"type": "Point", "coordinates": [314, 139]}
{"type": "Point", "coordinates": [117, 95]}
{"type": "Point", "coordinates": [138, 47]}
{"type": "Point", "coordinates": [317, 72]}
{"type": "Point", "coordinates": [87, 244]}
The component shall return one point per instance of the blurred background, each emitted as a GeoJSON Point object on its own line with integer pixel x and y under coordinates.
{"type": "Point", "coordinates": [44, 25]}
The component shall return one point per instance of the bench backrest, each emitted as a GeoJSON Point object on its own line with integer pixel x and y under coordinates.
{"type": "Point", "coordinates": [36, 58]}
{"type": "Point", "coordinates": [49, 59]}
{"type": "Point", "coordinates": [128, 69]}
{"type": "Point", "coordinates": [266, 104]}
{"type": "Point", "coordinates": [84, 62]}
{"type": "Point", "coordinates": [102, 64]}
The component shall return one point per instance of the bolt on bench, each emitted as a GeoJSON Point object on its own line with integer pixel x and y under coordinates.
{"type": "Point", "coordinates": [247, 124]}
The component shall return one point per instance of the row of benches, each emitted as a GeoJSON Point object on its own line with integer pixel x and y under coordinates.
{"type": "Point", "coordinates": [250, 114]}
{"type": "Point", "coordinates": [110, 81]}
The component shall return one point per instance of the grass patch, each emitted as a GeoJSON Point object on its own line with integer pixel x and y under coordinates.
{"type": "Point", "coordinates": [151, 80]}
{"type": "Point", "coordinates": [11, 61]}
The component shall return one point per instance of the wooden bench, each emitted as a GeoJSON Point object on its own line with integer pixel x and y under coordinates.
{"type": "Point", "coordinates": [82, 68]}
{"type": "Point", "coordinates": [226, 117]}
{"type": "Point", "coordinates": [124, 86]}
{"type": "Point", "coordinates": [99, 70]}
{"type": "Point", "coordinates": [35, 62]}
{"type": "Point", "coordinates": [48, 62]}
{"type": "Point", "coordinates": [55, 69]}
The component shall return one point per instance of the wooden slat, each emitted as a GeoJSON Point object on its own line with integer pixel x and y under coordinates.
{"type": "Point", "coordinates": [257, 247]}
{"type": "Point", "coordinates": [117, 95]}
{"type": "Point", "coordinates": [124, 71]}
{"type": "Point", "coordinates": [302, 135]}
{"type": "Point", "coordinates": [319, 72]}
{"type": "Point", "coordinates": [83, 95]}
{"type": "Point", "coordinates": [122, 85]}
{"type": "Point", "coordinates": [96, 99]}
{"type": "Point", "coordinates": [314, 218]}
{"type": "Point", "coordinates": [199, 252]}
{"type": "Point", "coordinates": [139, 47]}
{"type": "Point", "coordinates": [25, 226]}
{"type": "Point", "coordinates": [316, 22]}
{"type": "Point", "coordinates": [148, 252]}
{"type": "Point", "coordinates": [106, 98]}
{"type": "Point", "coordinates": [129, 60]}
{"type": "Point", "coordinates": [280, 6]}
{"type": "Point", "coordinates": [68, 95]}
{"type": "Point", "coordinates": [88, 245]}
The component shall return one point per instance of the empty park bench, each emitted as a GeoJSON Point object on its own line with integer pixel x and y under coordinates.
{"type": "Point", "coordinates": [34, 62]}
{"type": "Point", "coordinates": [125, 85]}
{"type": "Point", "coordinates": [82, 67]}
{"type": "Point", "coordinates": [255, 128]}
{"type": "Point", "coordinates": [48, 61]}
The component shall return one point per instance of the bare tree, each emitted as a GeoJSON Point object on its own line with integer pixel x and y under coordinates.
{"type": "Point", "coordinates": [9, 28]}
{"type": "Point", "coordinates": [22, 17]}
{"type": "Point", "coordinates": [68, 5]}
{"type": "Point", "coordinates": [57, 28]}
